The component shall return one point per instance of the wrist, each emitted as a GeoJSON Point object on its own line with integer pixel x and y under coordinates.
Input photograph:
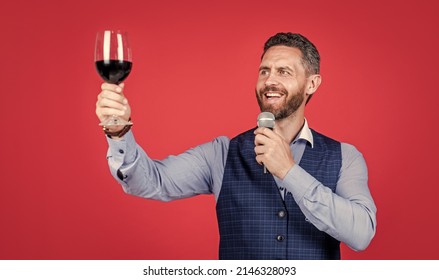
{"type": "Point", "coordinates": [284, 172]}
{"type": "Point", "coordinates": [112, 128]}
{"type": "Point", "coordinates": [116, 132]}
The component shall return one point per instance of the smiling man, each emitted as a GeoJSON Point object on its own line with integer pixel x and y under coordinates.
{"type": "Point", "coordinates": [315, 196]}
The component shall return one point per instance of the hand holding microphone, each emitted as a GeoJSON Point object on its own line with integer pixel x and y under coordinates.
{"type": "Point", "coordinates": [271, 148]}
{"type": "Point", "coordinates": [266, 119]}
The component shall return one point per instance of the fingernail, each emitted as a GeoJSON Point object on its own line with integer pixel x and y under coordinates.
{"type": "Point", "coordinates": [118, 89]}
{"type": "Point", "coordinates": [125, 101]}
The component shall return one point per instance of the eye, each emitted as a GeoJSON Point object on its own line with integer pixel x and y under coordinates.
{"type": "Point", "coordinates": [284, 72]}
{"type": "Point", "coordinates": [263, 72]}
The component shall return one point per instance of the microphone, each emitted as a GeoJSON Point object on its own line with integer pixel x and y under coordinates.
{"type": "Point", "coordinates": [266, 119]}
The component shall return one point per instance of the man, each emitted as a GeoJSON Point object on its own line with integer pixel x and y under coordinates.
{"type": "Point", "coordinates": [314, 196]}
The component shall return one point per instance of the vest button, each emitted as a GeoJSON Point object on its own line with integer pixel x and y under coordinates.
{"type": "Point", "coordinates": [280, 238]}
{"type": "Point", "coordinates": [281, 214]}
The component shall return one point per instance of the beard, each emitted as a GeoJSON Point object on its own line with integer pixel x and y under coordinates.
{"type": "Point", "coordinates": [290, 106]}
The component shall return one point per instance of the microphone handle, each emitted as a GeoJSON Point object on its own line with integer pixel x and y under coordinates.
{"type": "Point", "coordinates": [265, 168]}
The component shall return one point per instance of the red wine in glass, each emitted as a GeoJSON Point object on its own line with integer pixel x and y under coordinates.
{"type": "Point", "coordinates": [114, 71]}
{"type": "Point", "coordinates": [113, 61]}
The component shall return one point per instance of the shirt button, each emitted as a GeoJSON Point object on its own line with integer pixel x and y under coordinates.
{"type": "Point", "coordinates": [121, 151]}
{"type": "Point", "coordinates": [280, 238]}
{"type": "Point", "coordinates": [281, 214]}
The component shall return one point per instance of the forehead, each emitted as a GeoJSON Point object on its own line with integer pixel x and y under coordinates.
{"type": "Point", "coordinates": [282, 55]}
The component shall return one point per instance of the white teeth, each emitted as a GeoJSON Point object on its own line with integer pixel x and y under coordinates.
{"type": "Point", "coordinates": [273, 95]}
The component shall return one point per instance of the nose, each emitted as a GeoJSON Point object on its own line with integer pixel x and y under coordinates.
{"type": "Point", "coordinates": [271, 79]}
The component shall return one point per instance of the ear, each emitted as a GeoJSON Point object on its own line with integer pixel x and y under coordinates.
{"type": "Point", "coordinates": [313, 83]}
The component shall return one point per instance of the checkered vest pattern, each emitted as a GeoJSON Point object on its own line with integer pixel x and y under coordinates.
{"type": "Point", "coordinates": [255, 222]}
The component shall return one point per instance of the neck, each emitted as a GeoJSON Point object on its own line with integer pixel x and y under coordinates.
{"type": "Point", "coordinates": [289, 127]}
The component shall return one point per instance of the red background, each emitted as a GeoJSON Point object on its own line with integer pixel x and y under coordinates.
{"type": "Point", "coordinates": [195, 68]}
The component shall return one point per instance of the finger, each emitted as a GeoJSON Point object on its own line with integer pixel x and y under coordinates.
{"type": "Point", "coordinates": [106, 94]}
{"type": "Point", "coordinates": [260, 150]}
{"type": "Point", "coordinates": [112, 87]}
{"type": "Point", "coordinates": [259, 159]}
{"type": "Point", "coordinates": [261, 139]}
{"type": "Point", "coordinates": [104, 112]}
{"type": "Point", "coordinates": [110, 103]}
{"type": "Point", "coordinates": [265, 131]}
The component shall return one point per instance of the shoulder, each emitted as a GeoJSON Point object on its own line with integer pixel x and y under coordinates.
{"type": "Point", "coordinates": [218, 144]}
{"type": "Point", "coordinates": [222, 141]}
{"type": "Point", "coordinates": [317, 134]}
{"type": "Point", "coordinates": [324, 141]}
{"type": "Point", "coordinates": [350, 153]}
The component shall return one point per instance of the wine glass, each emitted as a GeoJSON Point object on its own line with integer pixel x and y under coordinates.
{"type": "Point", "coordinates": [113, 61]}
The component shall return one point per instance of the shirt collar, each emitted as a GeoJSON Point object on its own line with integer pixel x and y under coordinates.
{"type": "Point", "coordinates": [305, 134]}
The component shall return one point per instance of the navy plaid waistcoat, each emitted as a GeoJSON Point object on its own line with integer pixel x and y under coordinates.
{"type": "Point", "coordinates": [255, 222]}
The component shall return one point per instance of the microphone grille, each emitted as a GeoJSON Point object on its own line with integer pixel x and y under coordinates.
{"type": "Point", "coordinates": [266, 119]}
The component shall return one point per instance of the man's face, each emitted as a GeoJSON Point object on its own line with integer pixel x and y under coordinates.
{"type": "Point", "coordinates": [280, 88]}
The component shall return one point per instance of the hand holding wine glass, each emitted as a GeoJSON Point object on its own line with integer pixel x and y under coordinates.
{"type": "Point", "coordinates": [113, 61]}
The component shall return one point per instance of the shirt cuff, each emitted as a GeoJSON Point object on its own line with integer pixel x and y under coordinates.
{"type": "Point", "coordinates": [298, 182]}
{"type": "Point", "coordinates": [123, 150]}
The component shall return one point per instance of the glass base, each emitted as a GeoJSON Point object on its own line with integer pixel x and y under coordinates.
{"type": "Point", "coordinates": [115, 121]}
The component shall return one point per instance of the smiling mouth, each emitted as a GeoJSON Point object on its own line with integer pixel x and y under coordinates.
{"type": "Point", "coordinates": [270, 95]}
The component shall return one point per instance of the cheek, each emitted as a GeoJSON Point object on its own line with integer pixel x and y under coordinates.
{"type": "Point", "coordinates": [293, 87]}
{"type": "Point", "coordinates": [260, 84]}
